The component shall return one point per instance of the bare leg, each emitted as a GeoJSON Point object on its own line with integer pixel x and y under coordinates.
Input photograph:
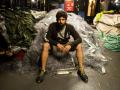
{"type": "Point", "coordinates": [80, 56]}
{"type": "Point", "coordinates": [44, 55]}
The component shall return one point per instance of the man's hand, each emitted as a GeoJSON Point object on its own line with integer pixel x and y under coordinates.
{"type": "Point", "coordinates": [67, 48]}
{"type": "Point", "coordinates": [64, 49]}
{"type": "Point", "coordinates": [60, 47]}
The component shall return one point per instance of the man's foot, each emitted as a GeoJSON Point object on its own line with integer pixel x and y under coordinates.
{"type": "Point", "coordinates": [41, 76]}
{"type": "Point", "coordinates": [83, 76]}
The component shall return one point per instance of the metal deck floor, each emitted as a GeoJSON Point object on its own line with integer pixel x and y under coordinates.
{"type": "Point", "coordinates": [97, 81]}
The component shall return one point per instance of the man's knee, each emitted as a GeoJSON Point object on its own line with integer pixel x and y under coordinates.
{"type": "Point", "coordinates": [46, 46]}
{"type": "Point", "coordinates": [78, 47]}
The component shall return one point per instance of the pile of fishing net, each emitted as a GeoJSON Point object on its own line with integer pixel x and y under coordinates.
{"type": "Point", "coordinates": [92, 51]}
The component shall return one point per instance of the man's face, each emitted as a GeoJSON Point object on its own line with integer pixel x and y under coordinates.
{"type": "Point", "coordinates": [62, 21]}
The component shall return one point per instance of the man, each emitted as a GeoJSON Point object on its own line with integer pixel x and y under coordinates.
{"type": "Point", "coordinates": [58, 36]}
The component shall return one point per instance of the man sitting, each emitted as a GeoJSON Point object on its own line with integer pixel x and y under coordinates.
{"type": "Point", "coordinates": [58, 35]}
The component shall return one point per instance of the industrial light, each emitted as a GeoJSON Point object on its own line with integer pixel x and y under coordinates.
{"type": "Point", "coordinates": [33, 1]}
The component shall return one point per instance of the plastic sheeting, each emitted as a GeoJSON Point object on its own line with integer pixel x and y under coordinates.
{"type": "Point", "coordinates": [108, 26]}
{"type": "Point", "coordinates": [92, 51]}
{"type": "Point", "coordinates": [3, 30]}
{"type": "Point", "coordinates": [37, 14]}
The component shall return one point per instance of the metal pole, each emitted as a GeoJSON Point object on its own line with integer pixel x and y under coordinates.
{"type": "Point", "coordinates": [44, 4]}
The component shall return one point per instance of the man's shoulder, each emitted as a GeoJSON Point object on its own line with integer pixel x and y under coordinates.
{"type": "Point", "coordinates": [69, 25]}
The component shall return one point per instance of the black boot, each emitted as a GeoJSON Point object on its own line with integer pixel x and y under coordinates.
{"type": "Point", "coordinates": [41, 76]}
{"type": "Point", "coordinates": [83, 76]}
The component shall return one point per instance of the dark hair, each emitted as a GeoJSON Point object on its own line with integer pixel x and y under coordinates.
{"type": "Point", "coordinates": [61, 13]}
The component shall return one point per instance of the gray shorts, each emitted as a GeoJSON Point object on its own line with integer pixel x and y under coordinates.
{"type": "Point", "coordinates": [56, 52]}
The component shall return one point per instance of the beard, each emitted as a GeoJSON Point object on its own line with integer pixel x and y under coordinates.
{"type": "Point", "coordinates": [60, 26]}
